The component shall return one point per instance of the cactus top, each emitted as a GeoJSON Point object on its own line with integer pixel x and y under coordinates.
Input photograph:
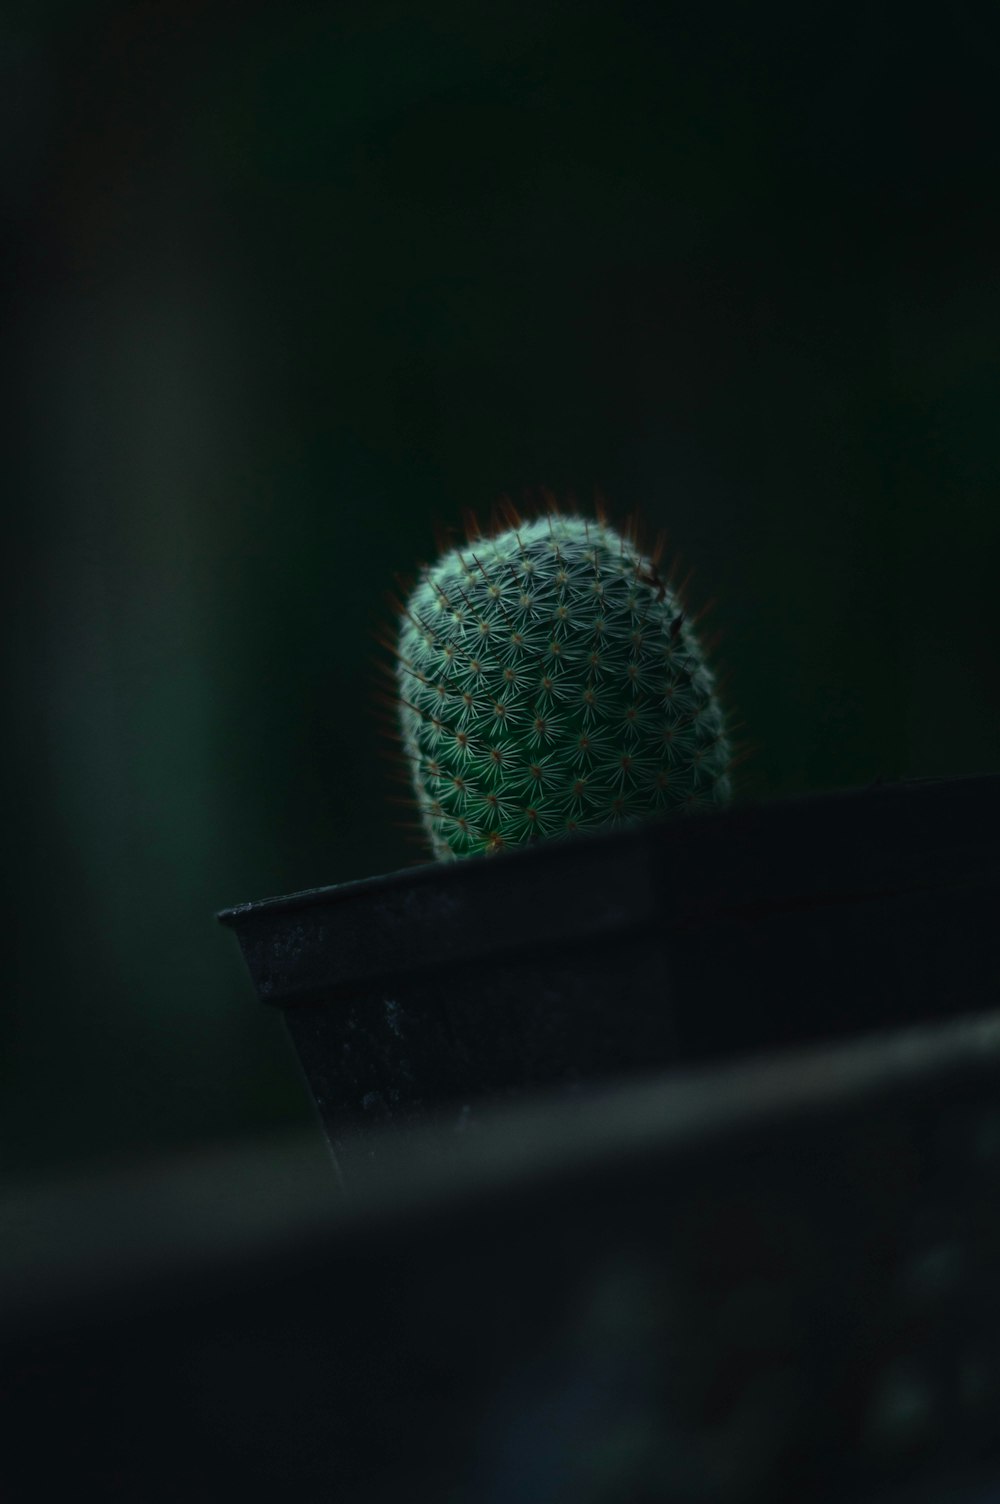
{"type": "Point", "coordinates": [548, 683]}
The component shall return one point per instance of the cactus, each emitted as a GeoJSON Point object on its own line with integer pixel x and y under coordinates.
{"type": "Point", "coordinates": [548, 681]}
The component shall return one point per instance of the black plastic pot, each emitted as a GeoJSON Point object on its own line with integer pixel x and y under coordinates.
{"type": "Point", "coordinates": [429, 994]}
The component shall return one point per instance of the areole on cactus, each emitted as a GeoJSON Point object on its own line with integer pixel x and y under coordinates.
{"type": "Point", "coordinates": [547, 680]}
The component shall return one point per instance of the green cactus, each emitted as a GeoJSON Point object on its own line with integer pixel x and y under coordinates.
{"type": "Point", "coordinates": [548, 682]}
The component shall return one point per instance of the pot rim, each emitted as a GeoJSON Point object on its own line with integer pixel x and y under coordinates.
{"type": "Point", "coordinates": [638, 833]}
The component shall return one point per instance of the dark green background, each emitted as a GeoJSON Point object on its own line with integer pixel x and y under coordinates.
{"type": "Point", "coordinates": [283, 285]}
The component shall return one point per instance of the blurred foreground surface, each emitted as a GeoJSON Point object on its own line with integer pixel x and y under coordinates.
{"type": "Point", "coordinates": [772, 1281]}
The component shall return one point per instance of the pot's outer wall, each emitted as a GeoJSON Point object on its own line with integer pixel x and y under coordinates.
{"type": "Point", "coordinates": [574, 962]}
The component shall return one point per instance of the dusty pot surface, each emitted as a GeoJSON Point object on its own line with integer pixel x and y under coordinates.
{"type": "Point", "coordinates": [427, 994]}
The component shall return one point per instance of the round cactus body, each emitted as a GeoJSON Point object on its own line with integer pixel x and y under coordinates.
{"type": "Point", "coordinates": [549, 683]}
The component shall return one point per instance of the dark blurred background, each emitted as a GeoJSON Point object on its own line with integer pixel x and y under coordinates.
{"type": "Point", "coordinates": [283, 285]}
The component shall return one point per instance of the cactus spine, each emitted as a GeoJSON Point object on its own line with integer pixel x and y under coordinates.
{"type": "Point", "coordinates": [548, 682]}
